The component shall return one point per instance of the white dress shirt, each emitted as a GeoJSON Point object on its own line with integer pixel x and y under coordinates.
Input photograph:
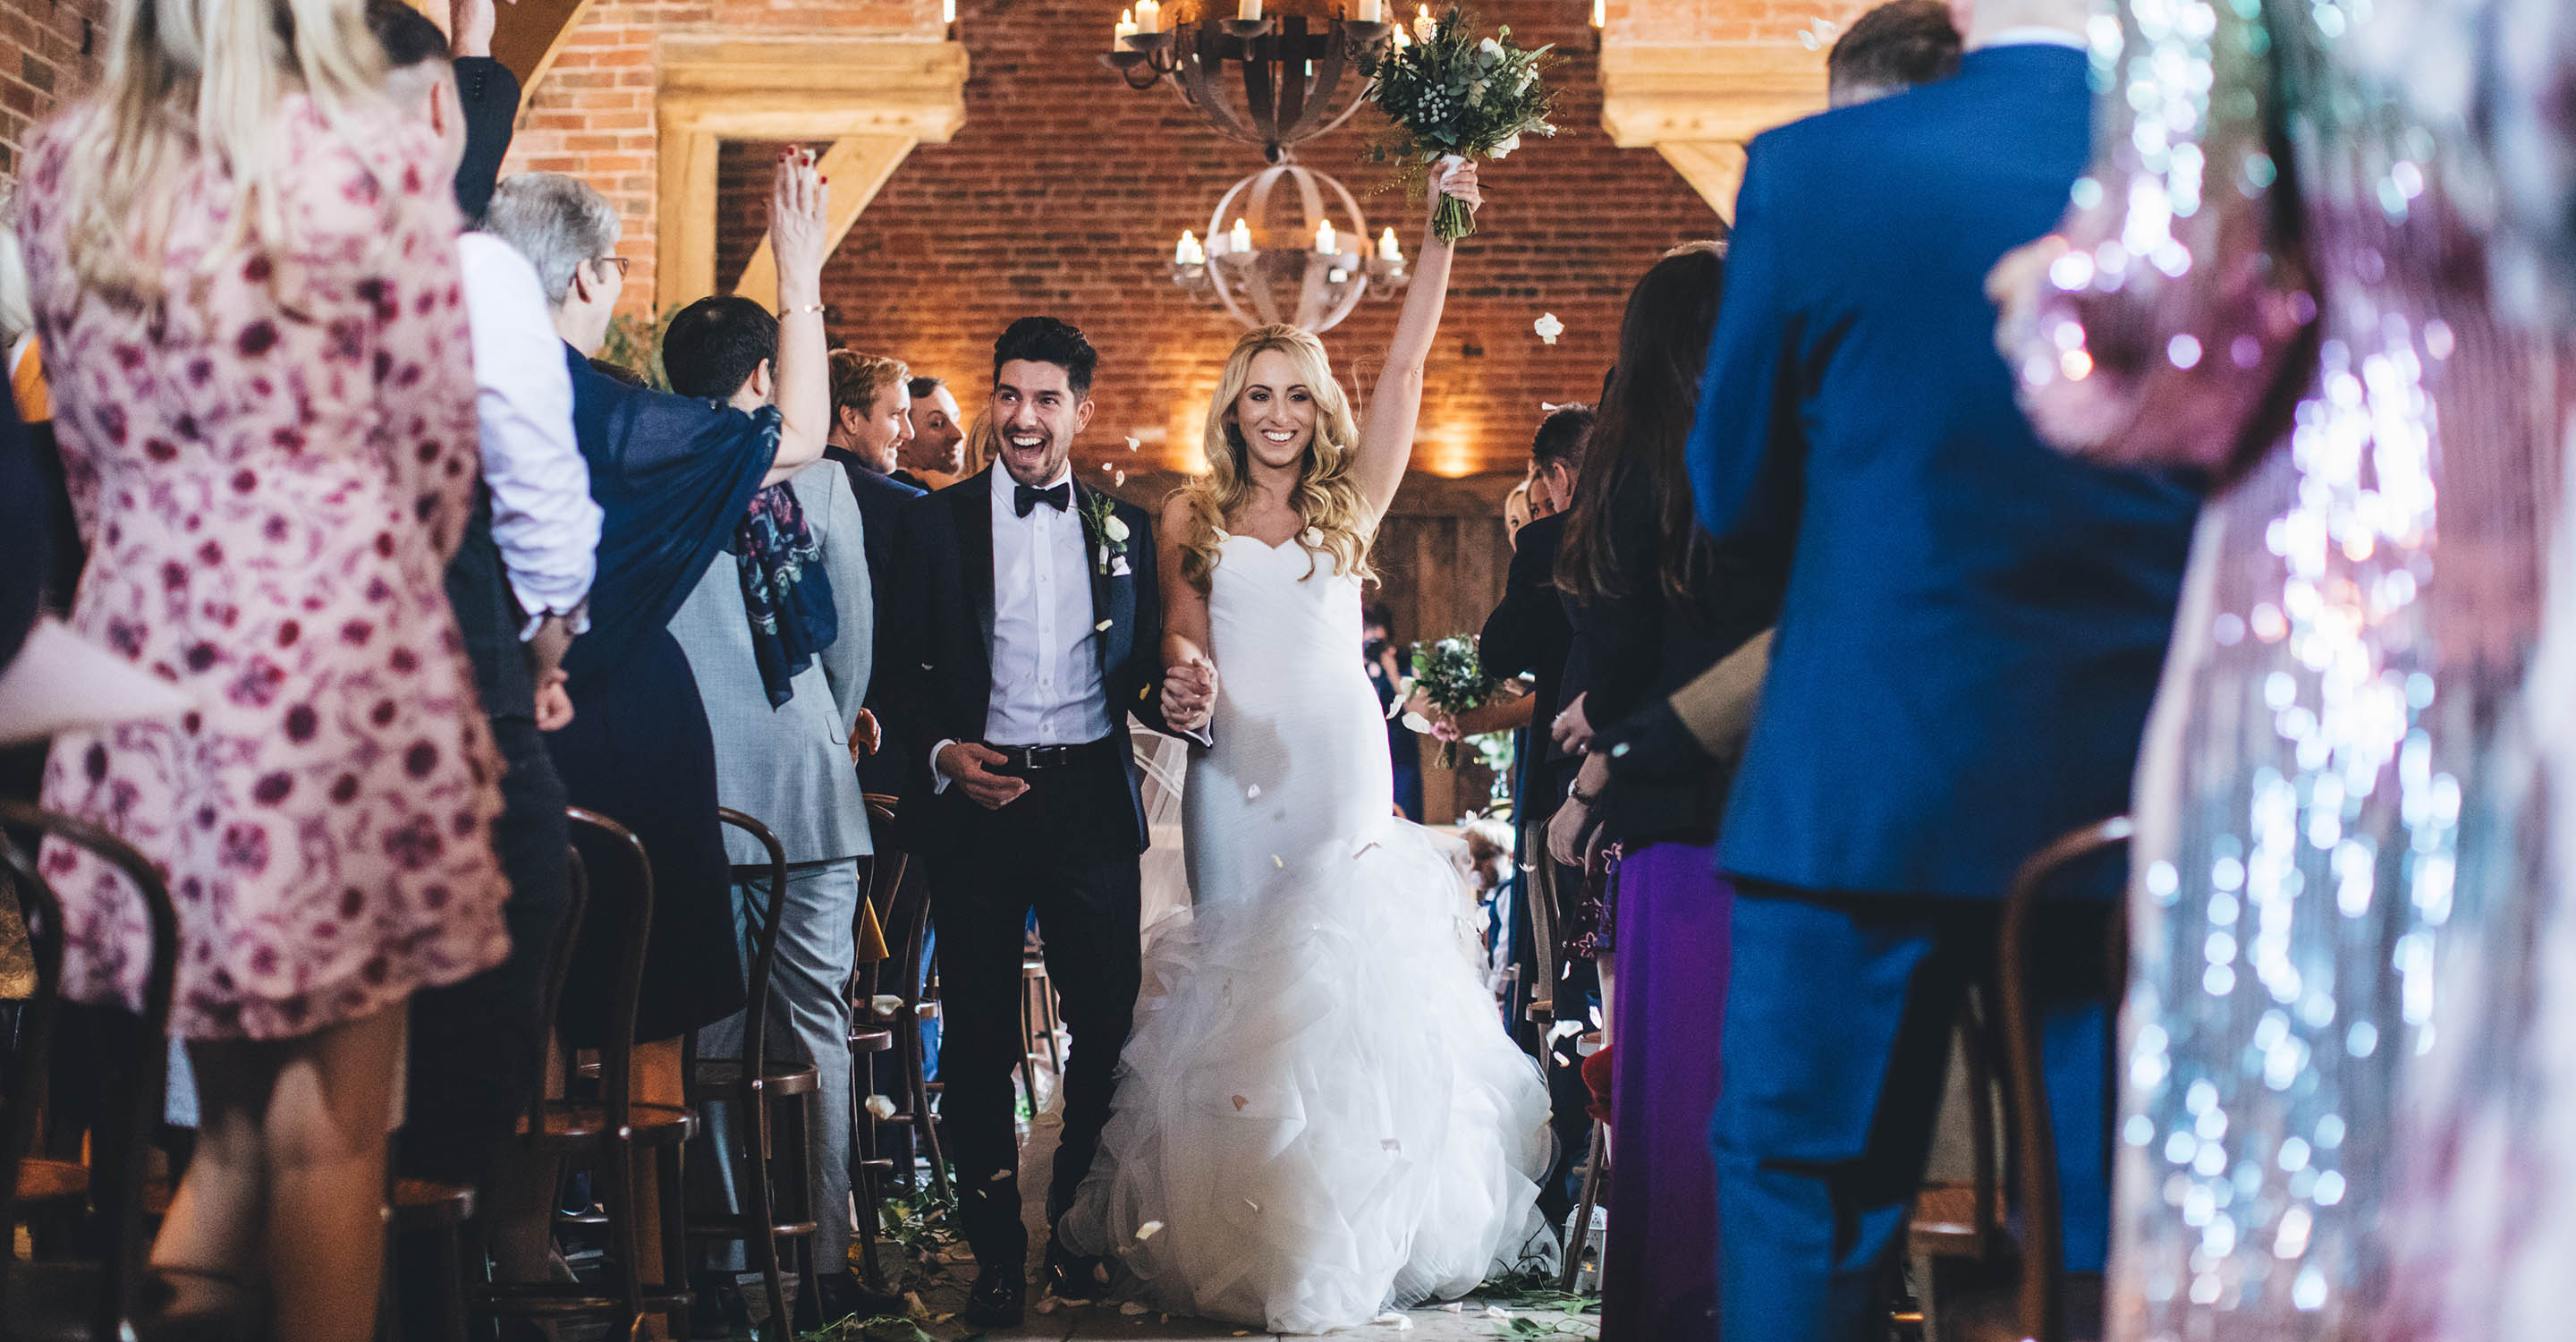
{"type": "Point", "coordinates": [543, 519]}
{"type": "Point", "coordinates": [1046, 674]}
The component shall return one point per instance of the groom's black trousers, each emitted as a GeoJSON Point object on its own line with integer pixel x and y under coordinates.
{"type": "Point", "coordinates": [1067, 848]}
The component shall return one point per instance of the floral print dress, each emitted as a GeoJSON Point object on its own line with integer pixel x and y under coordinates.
{"type": "Point", "coordinates": [272, 465]}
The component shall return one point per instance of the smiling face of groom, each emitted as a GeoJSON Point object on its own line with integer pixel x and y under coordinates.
{"type": "Point", "coordinates": [1041, 396]}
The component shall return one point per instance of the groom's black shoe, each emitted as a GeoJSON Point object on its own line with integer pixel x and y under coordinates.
{"type": "Point", "coordinates": [1071, 1277]}
{"type": "Point", "coordinates": [999, 1299]}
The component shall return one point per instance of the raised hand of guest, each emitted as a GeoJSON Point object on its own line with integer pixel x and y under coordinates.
{"type": "Point", "coordinates": [469, 26]}
{"type": "Point", "coordinates": [797, 204]}
{"type": "Point", "coordinates": [969, 765]}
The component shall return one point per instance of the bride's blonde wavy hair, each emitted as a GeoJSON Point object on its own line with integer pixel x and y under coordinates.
{"type": "Point", "coordinates": [188, 78]}
{"type": "Point", "coordinates": [1327, 500]}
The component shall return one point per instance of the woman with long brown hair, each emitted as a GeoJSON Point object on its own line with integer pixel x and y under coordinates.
{"type": "Point", "coordinates": [1655, 603]}
{"type": "Point", "coordinates": [244, 275]}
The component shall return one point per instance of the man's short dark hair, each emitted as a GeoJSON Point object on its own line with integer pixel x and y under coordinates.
{"type": "Point", "coordinates": [713, 345]}
{"type": "Point", "coordinates": [1892, 48]}
{"type": "Point", "coordinates": [1047, 340]}
{"type": "Point", "coordinates": [1561, 436]}
{"type": "Point", "coordinates": [406, 34]}
{"type": "Point", "coordinates": [923, 386]}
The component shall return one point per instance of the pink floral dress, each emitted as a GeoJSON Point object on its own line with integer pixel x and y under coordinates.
{"type": "Point", "coordinates": [271, 467]}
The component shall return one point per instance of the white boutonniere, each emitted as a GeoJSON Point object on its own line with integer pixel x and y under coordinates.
{"type": "Point", "coordinates": [1107, 533]}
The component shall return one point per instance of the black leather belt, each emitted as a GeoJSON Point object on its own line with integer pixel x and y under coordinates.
{"type": "Point", "coordinates": [1038, 759]}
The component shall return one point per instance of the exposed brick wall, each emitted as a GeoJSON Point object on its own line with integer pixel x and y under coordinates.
{"type": "Point", "coordinates": [50, 50]}
{"type": "Point", "coordinates": [591, 115]}
{"type": "Point", "coordinates": [1064, 192]}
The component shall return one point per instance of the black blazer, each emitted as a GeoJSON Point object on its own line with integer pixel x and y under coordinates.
{"type": "Point", "coordinates": [1528, 634]}
{"type": "Point", "coordinates": [938, 622]}
{"type": "Point", "coordinates": [881, 504]}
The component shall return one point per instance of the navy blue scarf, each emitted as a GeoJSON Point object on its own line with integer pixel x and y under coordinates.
{"type": "Point", "coordinates": [785, 591]}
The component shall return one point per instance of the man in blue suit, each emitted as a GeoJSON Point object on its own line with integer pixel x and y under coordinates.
{"type": "Point", "coordinates": [1972, 631]}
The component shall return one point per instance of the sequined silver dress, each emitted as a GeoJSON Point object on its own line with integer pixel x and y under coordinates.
{"type": "Point", "coordinates": [2266, 278]}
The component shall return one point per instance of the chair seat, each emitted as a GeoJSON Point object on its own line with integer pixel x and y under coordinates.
{"type": "Point", "coordinates": [871, 1041]}
{"type": "Point", "coordinates": [421, 1204]}
{"type": "Point", "coordinates": [735, 1226]}
{"type": "Point", "coordinates": [1945, 1223]}
{"type": "Point", "coordinates": [722, 1077]}
{"type": "Point", "coordinates": [46, 1182]}
{"type": "Point", "coordinates": [581, 1125]}
{"type": "Point", "coordinates": [555, 1299]}
{"type": "Point", "coordinates": [54, 1302]}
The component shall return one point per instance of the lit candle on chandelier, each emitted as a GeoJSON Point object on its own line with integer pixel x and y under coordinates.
{"type": "Point", "coordinates": [1326, 241]}
{"type": "Point", "coordinates": [1423, 24]}
{"type": "Point", "coordinates": [1600, 13]}
{"type": "Point", "coordinates": [1119, 33]}
{"type": "Point", "coordinates": [1149, 16]}
{"type": "Point", "coordinates": [1189, 252]}
{"type": "Point", "coordinates": [1239, 239]}
{"type": "Point", "coordinates": [1248, 10]}
{"type": "Point", "coordinates": [1387, 250]}
{"type": "Point", "coordinates": [1372, 11]}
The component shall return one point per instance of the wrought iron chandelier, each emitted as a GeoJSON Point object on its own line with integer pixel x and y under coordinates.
{"type": "Point", "coordinates": [1308, 261]}
{"type": "Point", "coordinates": [1299, 80]}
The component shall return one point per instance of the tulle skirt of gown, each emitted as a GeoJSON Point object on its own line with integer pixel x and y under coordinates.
{"type": "Point", "coordinates": [1319, 1114]}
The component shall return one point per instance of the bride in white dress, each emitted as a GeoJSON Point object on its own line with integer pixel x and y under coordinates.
{"type": "Point", "coordinates": [1319, 1115]}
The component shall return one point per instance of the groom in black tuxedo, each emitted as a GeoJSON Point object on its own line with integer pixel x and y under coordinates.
{"type": "Point", "coordinates": [1023, 627]}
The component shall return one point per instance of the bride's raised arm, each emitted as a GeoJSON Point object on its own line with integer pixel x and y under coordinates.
{"type": "Point", "coordinates": [1386, 440]}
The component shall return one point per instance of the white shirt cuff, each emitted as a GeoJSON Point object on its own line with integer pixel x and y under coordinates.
{"type": "Point", "coordinates": [938, 780]}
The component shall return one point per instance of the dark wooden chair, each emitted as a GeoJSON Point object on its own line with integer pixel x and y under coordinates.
{"type": "Point", "coordinates": [872, 1036]}
{"type": "Point", "coordinates": [1956, 1236]}
{"type": "Point", "coordinates": [610, 1131]}
{"type": "Point", "coordinates": [2049, 1299]}
{"type": "Point", "coordinates": [116, 1297]}
{"type": "Point", "coordinates": [769, 1098]}
{"type": "Point", "coordinates": [903, 912]}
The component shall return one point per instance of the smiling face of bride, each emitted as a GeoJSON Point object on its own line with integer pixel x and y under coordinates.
{"type": "Point", "coordinates": [1275, 411]}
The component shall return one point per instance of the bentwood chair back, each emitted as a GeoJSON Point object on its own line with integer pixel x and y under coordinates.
{"type": "Point", "coordinates": [116, 1297]}
{"type": "Point", "coordinates": [609, 1131]}
{"type": "Point", "coordinates": [776, 1180]}
{"type": "Point", "coordinates": [2043, 1296]}
{"type": "Point", "coordinates": [905, 916]}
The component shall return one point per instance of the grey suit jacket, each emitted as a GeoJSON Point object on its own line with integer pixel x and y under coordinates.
{"type": "Point", "coordinates": [789, 767]}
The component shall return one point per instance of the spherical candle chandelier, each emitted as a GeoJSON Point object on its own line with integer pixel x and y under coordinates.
{"type": "Point", "coordinates": [1299, 255]}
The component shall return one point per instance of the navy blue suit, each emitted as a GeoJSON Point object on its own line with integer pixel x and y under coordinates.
{"type": "Point", "coordinates": [1971, 634]}
{"type": "Point", "coordinates": [881, 501]}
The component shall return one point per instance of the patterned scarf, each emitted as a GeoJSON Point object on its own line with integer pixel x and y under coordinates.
{"type": "Point", "coordinates": [785, 591]}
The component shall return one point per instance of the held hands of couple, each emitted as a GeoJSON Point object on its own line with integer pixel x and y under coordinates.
{"type": "Point", "coordinates": [1189, 694]}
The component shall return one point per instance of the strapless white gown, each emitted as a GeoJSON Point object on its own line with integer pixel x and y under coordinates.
{"type": "Point", "coordinates": [1319, 1115]}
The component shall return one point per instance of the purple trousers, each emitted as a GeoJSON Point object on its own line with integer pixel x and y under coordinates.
{"type": "Point", "coordinates": [1660, 1266]}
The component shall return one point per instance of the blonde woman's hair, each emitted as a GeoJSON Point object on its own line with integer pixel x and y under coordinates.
{"type": "Point", "coordinates": [1327, 500]}
{"type": "Point", "coordinates": [983, 442]}
{"type": "Point", "coordinates": [190, 79]}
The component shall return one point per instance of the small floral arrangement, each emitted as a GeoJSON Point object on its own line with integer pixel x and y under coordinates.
{"type": "Point", "coordinates": [1451, 678]}
{"type": "Point", "coordinates": [1451, 95]}
{"type": "Point", "coordinates": [1108, 534]}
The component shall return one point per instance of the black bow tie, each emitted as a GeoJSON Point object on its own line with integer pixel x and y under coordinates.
{"type": "Point", "coordinates": [1058, 496]}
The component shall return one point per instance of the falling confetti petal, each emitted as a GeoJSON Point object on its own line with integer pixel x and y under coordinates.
{"type": "Point", "coordinates": [1132, 445]}
{"type": "Point", "coordinates": [1103, 626]}
{"type": "Point", "coordinates": [1148, 1230]}
{"type": "Point", "coordinates": [1497, 1312]}
{"type": "Point", "coordinates": [1274, 861]}
{"type": "Point", "coordinates": [1252, 791]}
{"type": "Point", "coordinates": [1548, 327]}
{"type": "Point", "coordinates": [886, 1003]}
{"type": "Point", "coordinates": [1239, 1102]}
{"type": "Point", "coordinates": [880, 1108]}
{"type": "Point", "coordinates": [1000, 1175]}
{"type": "Point", "coordinates": [1121, 478]}
{"type": "Point", "coordinates": [1132, 1308]}
{"type": "Point", "coordinates": [1106, 468]}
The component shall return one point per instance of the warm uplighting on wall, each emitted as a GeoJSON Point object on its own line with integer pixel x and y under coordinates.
{"type": "Point", "coordinates": [1447, 452]}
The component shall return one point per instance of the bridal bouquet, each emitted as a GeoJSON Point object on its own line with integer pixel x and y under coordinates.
{"type": "Point", "coordinates": [1451, 678]}
{"type": "Point", "coordinates": [1451, 95]}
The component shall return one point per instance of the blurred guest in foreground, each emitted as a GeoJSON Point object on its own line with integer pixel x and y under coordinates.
{"type": "Point", "coordinates": [238, 219]}
{"type": "Point", "coordinates": [1970, 635]}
